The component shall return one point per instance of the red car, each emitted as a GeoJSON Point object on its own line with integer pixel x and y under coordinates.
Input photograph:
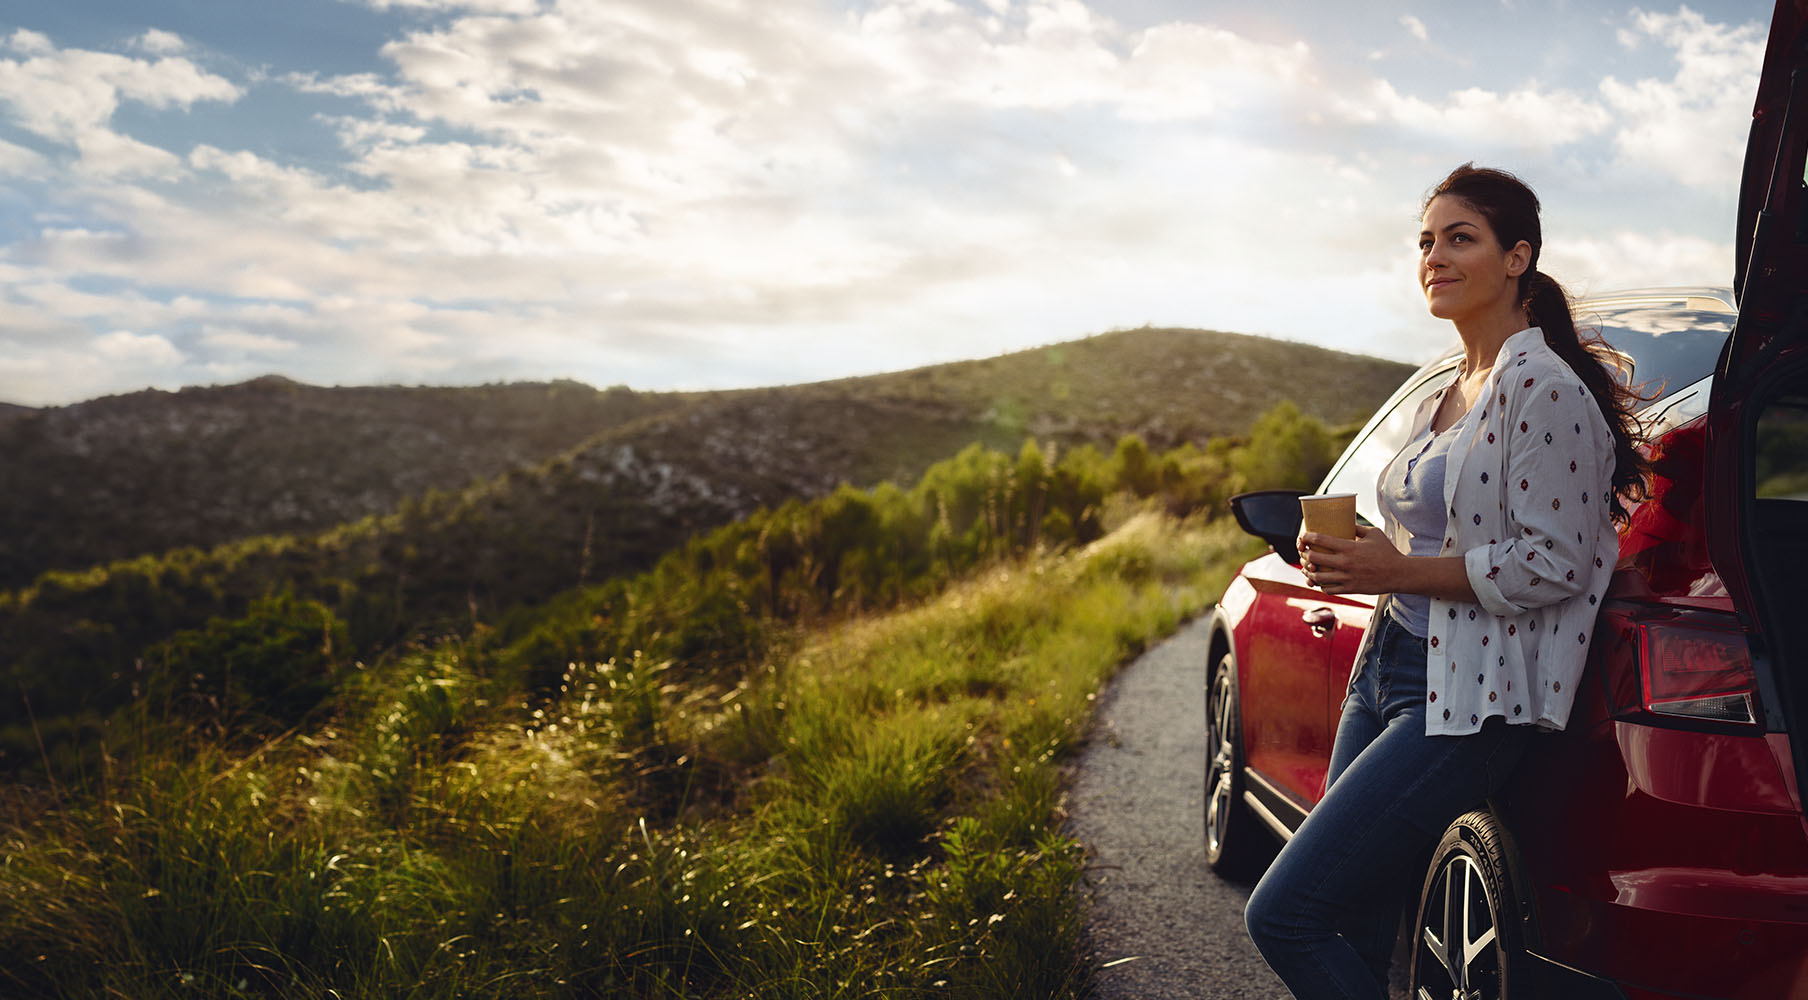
{"type": "Point", "coordinates": [1657, 847]}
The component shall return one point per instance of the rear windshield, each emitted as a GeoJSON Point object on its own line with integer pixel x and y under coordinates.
{"type": "Point", "coordinates": [1667, 348]}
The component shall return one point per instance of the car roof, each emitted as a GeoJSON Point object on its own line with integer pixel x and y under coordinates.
{"type": "Point", "coordinates": [1695, 298]}
{"type": "Point", "coordinates": [1706, 298]}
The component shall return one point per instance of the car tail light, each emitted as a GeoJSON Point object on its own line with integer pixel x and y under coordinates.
{"type": "Point", "coordinates": [1691, 665]}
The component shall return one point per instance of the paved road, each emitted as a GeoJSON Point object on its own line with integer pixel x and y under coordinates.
{"type": "Point", "coordinates": [1173, 928]}
{"type": "Point", "coordinates": [1163, 926]}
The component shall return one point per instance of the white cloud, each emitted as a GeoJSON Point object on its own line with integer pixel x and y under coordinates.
{"type": "Point", "coordinates": [159, 42]}
{"type": "Point", "coordinates": [1689, 126]}
{"type": "Point", "coordinates": [38, 291]}
{"type": "Point", "coordinates": [1628, 258]}
{"type": "Point", "coordinates": [361, 133]}
{"type": "Point", "coordinates": [366, 85]}
{"type": "Point", "coordinates": [1693, 125]}
{"type": "Point", "coordinates": [1179, 71]}
{"type": "Point", "coordinates": [109, 154]}
{"type": "Point", "coordinates": [237, 341]}
{"type": "Point", "coordinates": [148, 350]}
{"type": "Point", "coordinates": [18, 370]}
{"type": "Point", "coordinates": [1058, 54]}
{"type": "Point", "coordinates": [483, 6]}
{"type": "Point", "coordinates": [58, 94]}
{"type": "Point", "coordinates": [1527, 119]}
{"type": "Point", "coordinates": [69, 96]}
{"type": "Point", "coordinates": [17, 161]}
{"type": "Point", "coordinates": [1414, 27]}
{"type": "Point", "coordinates": [29, 43]}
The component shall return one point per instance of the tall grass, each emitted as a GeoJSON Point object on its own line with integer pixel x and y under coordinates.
{"type": "Point", "coordinates": [875, 812]}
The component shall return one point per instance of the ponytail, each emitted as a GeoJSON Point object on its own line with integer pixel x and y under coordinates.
{"type": "Point", "coordinates": [1546, 304]}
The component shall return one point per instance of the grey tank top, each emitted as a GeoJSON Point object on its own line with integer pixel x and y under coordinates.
{"type": "Point", "coordinates": [1412, 496]}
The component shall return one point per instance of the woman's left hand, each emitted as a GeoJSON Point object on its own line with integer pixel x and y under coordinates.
{"type": "Point", "coordinates": [1369, 564]}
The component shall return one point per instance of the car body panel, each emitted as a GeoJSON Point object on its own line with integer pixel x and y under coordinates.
{"type": "Point", "coordinates": [1285, 739]}
{"type": "Point", "coordinates": [1771, 261]}
{"type": "Point", "coordinates": [1284, 736]}
{"type": "Point", "coordinates": [1717, 771]}
{"type": "Point", "coordinates": [1766, 360]}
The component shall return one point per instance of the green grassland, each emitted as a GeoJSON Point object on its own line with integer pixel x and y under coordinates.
{"type": "Point", "coordinates": [815, 752]}
{"type": "Point", "coordinates": [875, 812]}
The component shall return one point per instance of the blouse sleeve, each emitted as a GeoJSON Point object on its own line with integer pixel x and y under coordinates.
{"type": "Point", "coordinates": [1559, 466]}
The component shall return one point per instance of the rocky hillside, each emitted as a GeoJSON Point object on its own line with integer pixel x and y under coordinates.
{"type": "Point", "coordinates": [151, 471]}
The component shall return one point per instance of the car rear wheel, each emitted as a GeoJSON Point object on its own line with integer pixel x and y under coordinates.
{"type": "Point", "coordinates": [1468, 943]}
{"type": "Point", "coordinates": [1229, 828]}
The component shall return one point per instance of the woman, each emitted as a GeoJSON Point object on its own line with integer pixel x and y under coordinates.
{"type": "Point", "coordinates": [1498, 545]}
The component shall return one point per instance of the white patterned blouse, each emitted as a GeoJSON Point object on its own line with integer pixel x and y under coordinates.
{"type": "Point", "coordinates": [1527, 489]}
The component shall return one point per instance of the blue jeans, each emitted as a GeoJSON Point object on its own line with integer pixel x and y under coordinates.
{"type": "Point", "coordinates": [1325, 914]}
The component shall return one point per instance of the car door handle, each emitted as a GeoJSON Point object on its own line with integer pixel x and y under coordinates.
{"type": "Point", "coordinates": [1322, 620]}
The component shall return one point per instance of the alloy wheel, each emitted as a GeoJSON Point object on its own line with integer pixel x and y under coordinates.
{"type": "Point", "coordinates": [1460, 936]}
{"type": "Point", "coordinates": [1218, 737]}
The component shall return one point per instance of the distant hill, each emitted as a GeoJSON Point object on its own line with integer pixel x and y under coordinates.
{"type": "Point", "coordinates": [151, 471]}
{"type": "Point", "coordinates": [1167, 385]}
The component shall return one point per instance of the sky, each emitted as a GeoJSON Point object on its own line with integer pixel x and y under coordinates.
{"type": "Point", "coordinates": [699, 194]}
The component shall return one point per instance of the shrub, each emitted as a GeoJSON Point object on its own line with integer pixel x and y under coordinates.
{"type": "Point", "coordinates": [273, 665]}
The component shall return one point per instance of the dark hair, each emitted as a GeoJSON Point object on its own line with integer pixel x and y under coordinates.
{"type": "Point", "coordinates": [1512, 212]}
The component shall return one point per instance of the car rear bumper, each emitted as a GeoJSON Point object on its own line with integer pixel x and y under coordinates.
{"type": "Point", "coordinates": [1553, 979]}
{"type": "Point", "coordinates": [1713, 939]}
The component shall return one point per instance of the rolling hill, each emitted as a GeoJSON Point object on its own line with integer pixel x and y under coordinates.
{"type": "Point", "coordinates": [663, 469]}
{"type": "Point", "coordinates": [147, 472]}
{"type": "Point", "coordinates": [150, 471]}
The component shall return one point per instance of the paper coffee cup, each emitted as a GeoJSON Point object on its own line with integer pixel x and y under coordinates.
{"type": "Point", "coordinates": [1329, 513]}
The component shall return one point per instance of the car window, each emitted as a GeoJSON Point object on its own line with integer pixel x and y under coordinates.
{"type": "Point", "coordinates": [1781, 457]}
{"type": "Point", "coordinates": [1665, 347]}
{"type": "Point", "coordinates": [1362, 462]}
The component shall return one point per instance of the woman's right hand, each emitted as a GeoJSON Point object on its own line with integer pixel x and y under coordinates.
{"type": "Point", "coordinates": [1370, 564]}
{"type": "Point", "coordinates": [1344, 565]}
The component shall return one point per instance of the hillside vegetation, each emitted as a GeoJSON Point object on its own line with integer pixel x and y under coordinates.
{"type": "Point", "coordinates": [813, 753]}
{"type": "Point", "coordinates": [148, 472]}
{"type": "Point", "coordinates": [485, 560]}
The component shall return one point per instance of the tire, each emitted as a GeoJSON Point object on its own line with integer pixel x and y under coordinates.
{"type": "Point", "coordinates": [1231, 837]}
{"type": "Point", "coordinates": [1467, 940]}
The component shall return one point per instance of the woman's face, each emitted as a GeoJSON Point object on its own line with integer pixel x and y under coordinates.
{"type": "Point", "coordinates": [1462, 267]}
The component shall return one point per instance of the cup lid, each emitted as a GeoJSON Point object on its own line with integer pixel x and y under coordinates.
{"type": "Point", "coordinates": [1326, 496]}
